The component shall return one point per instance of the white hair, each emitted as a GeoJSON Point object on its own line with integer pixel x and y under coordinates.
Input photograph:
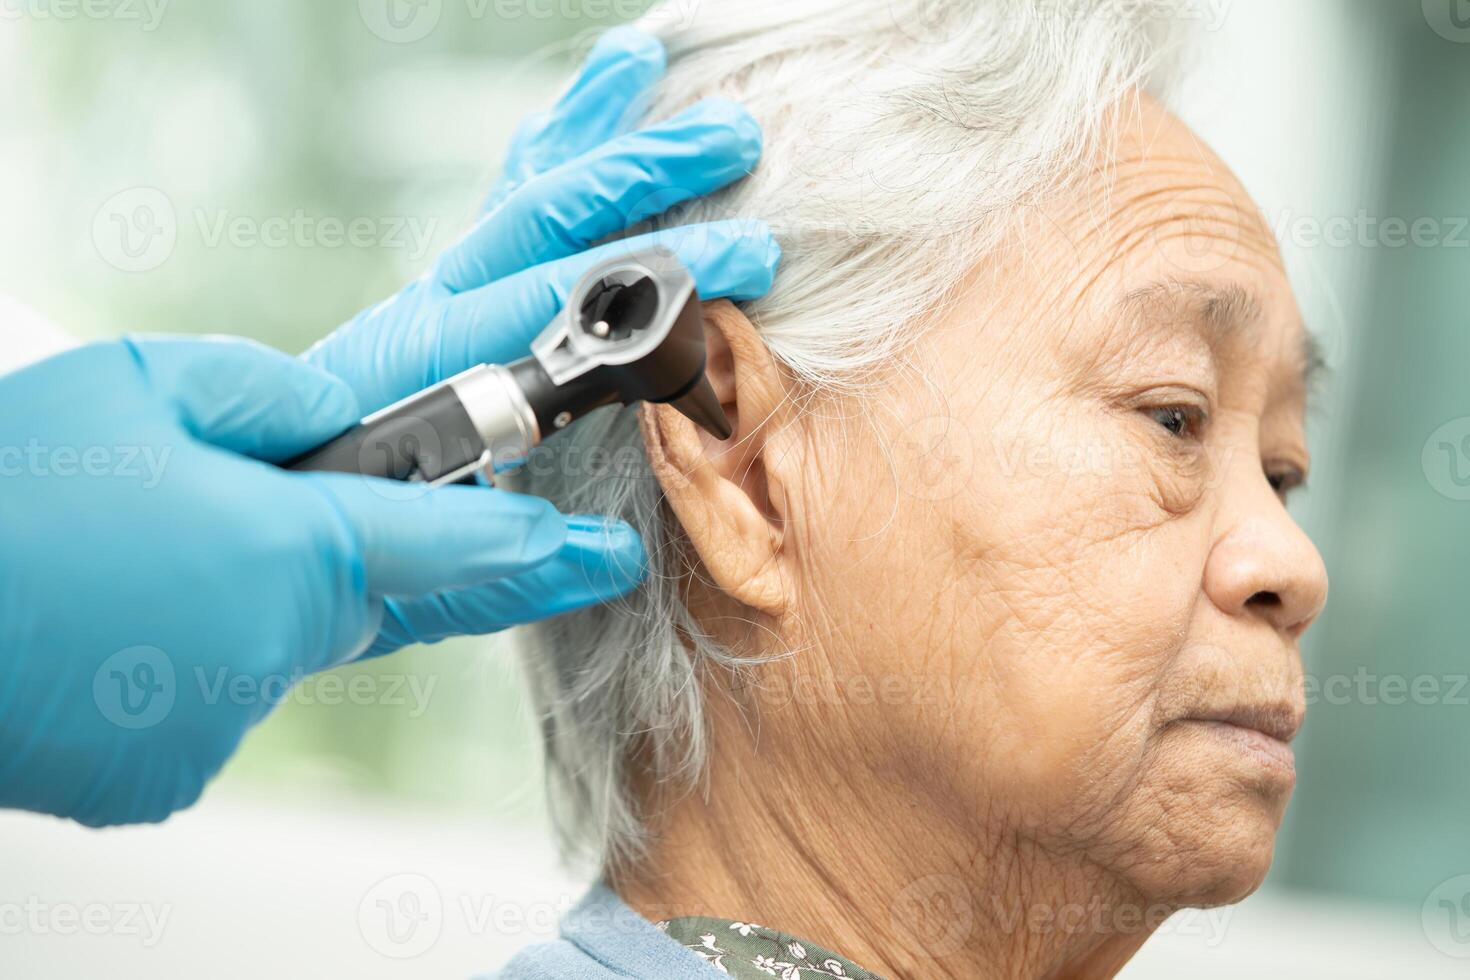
{"type": "Point", "coordinates": [901, 138]}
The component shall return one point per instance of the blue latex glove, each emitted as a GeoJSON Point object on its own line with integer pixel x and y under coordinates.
{"type": "Point", "coordinates": [575, 175]}
{"type": "Point", "coordinates": [161, 586]}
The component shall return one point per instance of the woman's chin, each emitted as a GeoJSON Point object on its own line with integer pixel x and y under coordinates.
{"type": "Point", "coordinates": [1208, 872]}
{"type": "Point", "coordinates": [1236, 877]}
{"type": "Point", "coordinates": [1212, 832]}
{"type": "Point", "coordinates": [1240, 866]}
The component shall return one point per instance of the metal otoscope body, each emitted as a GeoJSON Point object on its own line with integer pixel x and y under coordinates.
{"type": "Point", "coordinates": [632, 330]}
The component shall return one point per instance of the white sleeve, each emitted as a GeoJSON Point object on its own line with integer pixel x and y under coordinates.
{"type": "Point", "coordinates": [25, 337]}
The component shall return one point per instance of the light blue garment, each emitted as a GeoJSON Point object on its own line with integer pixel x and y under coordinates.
{"type": "Point", "coordinates": [603, 939]}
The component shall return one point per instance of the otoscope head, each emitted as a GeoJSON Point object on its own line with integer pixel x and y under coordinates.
{"type": "Point", "coordinates": [632, 330]}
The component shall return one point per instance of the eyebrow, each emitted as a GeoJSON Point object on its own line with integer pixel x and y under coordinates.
{"type": "Point", "coordinates": [1223, 310]}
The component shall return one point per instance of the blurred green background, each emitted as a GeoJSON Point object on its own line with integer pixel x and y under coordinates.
{"type": "Point", "coordinates": [270, 110]}
{"type": "Point", "coordinates": [1383, 801]}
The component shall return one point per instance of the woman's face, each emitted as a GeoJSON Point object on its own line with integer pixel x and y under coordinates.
{"type": "Point", "coordinates": [1052, 580]}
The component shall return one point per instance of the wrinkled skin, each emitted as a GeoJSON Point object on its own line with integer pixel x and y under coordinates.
{"type": "Point", "coordinates": [1042, 588]}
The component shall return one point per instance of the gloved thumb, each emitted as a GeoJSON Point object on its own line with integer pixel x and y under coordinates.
{"type": "Point", "coordinates": [245, 397]}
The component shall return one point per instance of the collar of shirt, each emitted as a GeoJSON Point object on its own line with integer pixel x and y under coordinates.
{"type": "Point", "coordinates": [747, 951]}
{"type": "Point", "coordinates": [604, 939]}
{"type": "Point", "coordinates": [609, 931]}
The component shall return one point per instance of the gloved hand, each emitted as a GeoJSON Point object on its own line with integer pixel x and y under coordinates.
{"type": "Point", "coordinates": [574, 176]}
{"type": "Point", "coordinates": [161, 586]}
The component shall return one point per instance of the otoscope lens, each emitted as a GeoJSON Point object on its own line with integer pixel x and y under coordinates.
{"type": "Point", "coordinates": [619, 306]}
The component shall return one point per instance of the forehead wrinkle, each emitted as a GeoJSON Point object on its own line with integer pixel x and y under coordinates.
{"type": "Point", "coordinates": [1125, 233]}
{"type": "Point", "coordinates": [1140, 196]}
{"type": "Point", "coordinates": [1121, 235]}
{"type": "Point", "coordinates": [1144, 193]}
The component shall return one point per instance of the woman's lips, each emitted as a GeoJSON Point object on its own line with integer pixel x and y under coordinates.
{"type": "Point", "coordinates": [1263, 731]}
{"type": "Point", "coordinates": [1279, 721]}
{"type": "Point", "coordinates": [1270, 751]}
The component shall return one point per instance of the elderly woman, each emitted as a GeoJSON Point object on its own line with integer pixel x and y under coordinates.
{"type": "Point", "coordinates": [974, 652]}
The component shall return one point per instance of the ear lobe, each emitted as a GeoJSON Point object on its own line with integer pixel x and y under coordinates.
{"type": "Point", "coordinates": [724, 493]}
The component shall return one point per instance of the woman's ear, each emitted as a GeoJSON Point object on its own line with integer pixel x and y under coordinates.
{"type": "Point", "coordinates": [728, 495]}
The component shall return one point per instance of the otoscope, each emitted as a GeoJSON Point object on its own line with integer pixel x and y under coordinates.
{"type": "Point", "coordinates": [632, 330]}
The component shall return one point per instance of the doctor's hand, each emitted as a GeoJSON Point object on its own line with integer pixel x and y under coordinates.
{"type": "Point", "coordinates": [574, 176]}
{"type": "Point", "coordinates": [161, 581]}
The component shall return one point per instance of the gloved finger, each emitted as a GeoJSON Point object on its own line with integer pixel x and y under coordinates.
{"type": "Point", "coordinates": [496, 323]}
{"type": "Point", "coordinates": [601, 560]}
{"type": "Point", "coordinates": [413, 540]}
{"type": "Point", "coordinates": [627, 180]}
{"type": "Point", "coordinates": [605, 99]}
{"type": "Point", "coordinates": [246, 397]}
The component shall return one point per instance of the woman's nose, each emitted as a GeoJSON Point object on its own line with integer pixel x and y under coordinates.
{"type": "Point", "coordinates": [1264, 565]}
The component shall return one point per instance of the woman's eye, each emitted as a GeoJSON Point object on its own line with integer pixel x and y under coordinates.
{"type": "Point", "coordinates": [1285, 481]}
{"type": "Point", "coordinates": [1180, 421]}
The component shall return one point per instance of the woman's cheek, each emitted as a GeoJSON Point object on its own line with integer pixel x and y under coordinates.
{"type": "Point", "coordinates": [1181, 478]}
{"type": "Point", "coordinates": [1089, 580]}
{"type": "Point", "coordinates": [1142, 478]}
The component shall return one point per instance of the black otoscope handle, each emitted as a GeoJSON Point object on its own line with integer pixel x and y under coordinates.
{"type": "Point", "coordinates": [426, 437]}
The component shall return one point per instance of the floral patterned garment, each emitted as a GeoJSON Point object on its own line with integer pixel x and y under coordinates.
{"type": "Point", "coordinates": [747, 951]}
